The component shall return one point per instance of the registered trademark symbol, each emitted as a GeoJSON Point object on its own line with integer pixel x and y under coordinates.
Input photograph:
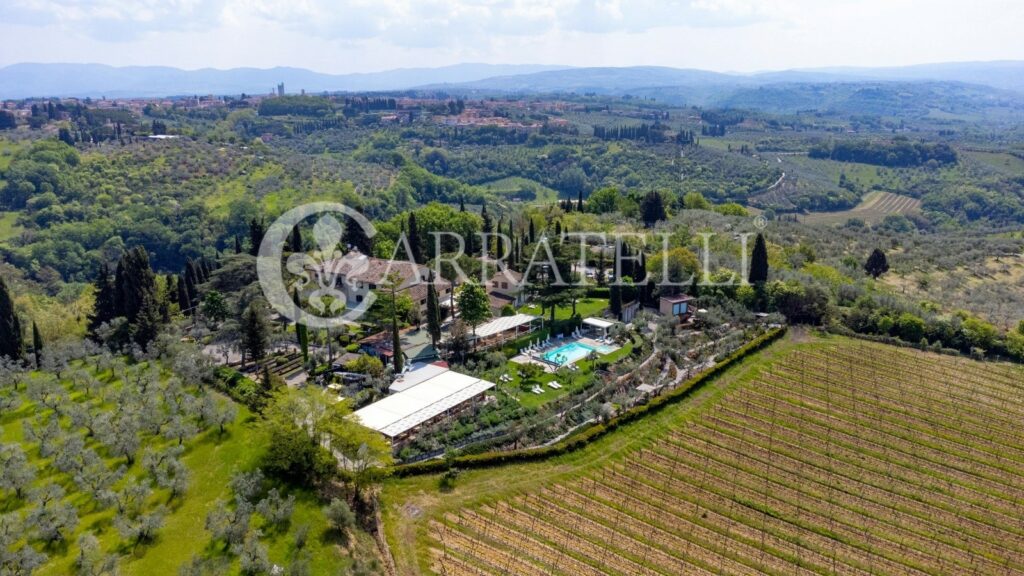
{"type": "Point", "coordinates": [760, 222]}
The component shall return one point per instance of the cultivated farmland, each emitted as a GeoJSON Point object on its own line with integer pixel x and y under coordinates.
{"type": "Point", "coordinates": [827, 457]}
{"type": "Point", "coordinates": [873, 209]}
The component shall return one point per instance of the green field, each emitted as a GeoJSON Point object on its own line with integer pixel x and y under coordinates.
{"type": "Point", "coordinates": [816, 456]}
{"type": "Point", "coordinates": [211, 459]}
{"type": "Point", "coordinates": [1000, 161]}
{"type": "Point", "coordinates": [513, 185]}
{"type": "Point", "coordinates": [824, 170]}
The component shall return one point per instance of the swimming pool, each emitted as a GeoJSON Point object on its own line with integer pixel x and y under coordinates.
{"type": "Point", "coordinates": [571, 352]}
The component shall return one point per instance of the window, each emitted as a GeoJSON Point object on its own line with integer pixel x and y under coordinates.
{"type": "Point", "coordinates": [359, 298]}
{"type": "Point", "coordinates": [679, 308]}
{"type": "Point", "coordinates": [373, 286]}
{"type": "Point", "coordinates": [504, 285]}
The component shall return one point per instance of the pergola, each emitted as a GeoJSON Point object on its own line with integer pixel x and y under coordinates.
{"type": "Point", "coordinates": [599, 324]}
{"type": "Point", "coordinates": [503, 329]}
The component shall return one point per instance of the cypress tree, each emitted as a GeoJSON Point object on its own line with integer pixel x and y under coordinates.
{"type": "Point", "coordinates": [105, 308]}
{"type": "Point", "coordinates": [396, 344]}
{"type": "Point", "coordinates": [433, 313]}
{"type": "Point", "coordinates": [462, 204]}
{"type": "Point", "coordinates": [487, 227]}
{"type": "Point", "coordinates": [615, 300]}
{"type": "Point", "coordinates": [184, 299]}
{"type": "Point", "coordinates": [146, 325]}
{"type": "Point", "coordinates": [265, 380]}
{"type": "Point", "coordinates": [256, 232]}
{"type": "Point", "coordinates": [10, 327]}
{"type": "Point", "coordinates": [652, 209]}
{"type": "Point", "coordinates": [470, 243]}
{"type": "Point", "coordinates": [37, 345]}
{"type": "Point", "coordinates": [295, 245]}
{"type": "Point", "coordinates": [255, 333]}
{"type": "Point", "coordinates": [356, 237]}
{"type": "Point", "coordinates": [301, 332]}
{"type": "Point", "coordinates": [238, 245]}
{"type": "Point", "coordinates": [204, 270]}
{"type": "Point", "coordinates": [191, 275]}
{"type": "Point", "coordinates": [759, 262]}
{"type": "Point", "coordinates": [877, 263]}
{"type": "Point", "coordinates": [625, 264]}
{"type": "Point", "coordinates": [190, 287]}
{"type": "Point", "coordinates": [533, 232]}
{"type": "Point", "coordinates": [133, 282]}
{"type": "Point", "coordinates": [415, 245]}
{"type": "Point", "coordinates": [579, 202]}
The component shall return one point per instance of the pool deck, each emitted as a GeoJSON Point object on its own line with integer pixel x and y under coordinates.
{"type": "Point", "coordinates": [555, 344]}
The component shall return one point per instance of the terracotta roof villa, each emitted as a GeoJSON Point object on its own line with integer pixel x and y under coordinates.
{"type": "Point", "coordinates": [358, 274]}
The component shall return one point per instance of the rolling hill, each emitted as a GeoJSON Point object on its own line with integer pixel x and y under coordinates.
{"type": "Point", "coordinates": [681, 84]}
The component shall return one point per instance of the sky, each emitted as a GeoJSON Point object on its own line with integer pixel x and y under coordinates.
{"type": "Point", "coordinates": [341, 36]}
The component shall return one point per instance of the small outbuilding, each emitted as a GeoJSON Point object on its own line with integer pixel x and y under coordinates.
{"type": "Point", "coordinates": [678, 306]}
{"type": "Point", "coordinates": [598, 327]}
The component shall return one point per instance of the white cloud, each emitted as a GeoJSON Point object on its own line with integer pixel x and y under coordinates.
{"type": "Point", "coordinates": [113, 20]}
{"type": "Point", "coordinates": [364, 35]}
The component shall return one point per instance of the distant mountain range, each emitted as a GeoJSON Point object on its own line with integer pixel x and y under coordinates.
{"type": "Point", "coordinates": [26, 80]}
{"type": "Point", "coordinates": [1007, 75]}
{"type": "Point", "coordinates": [95, 80]}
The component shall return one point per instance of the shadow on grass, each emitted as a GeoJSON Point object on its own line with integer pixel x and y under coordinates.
{"type": "Point", "coordinates": [334, 537]}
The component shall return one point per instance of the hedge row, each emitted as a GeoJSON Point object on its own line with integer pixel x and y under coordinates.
{"type": "Point", "coordinates": [841, 330]}
{"type": "Point", "coordinates": [594, 432]}
{"type": "Point", "coordinates": [240, 388]}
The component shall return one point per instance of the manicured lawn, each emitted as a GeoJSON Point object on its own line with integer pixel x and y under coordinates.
{"type": "Point", "coordinates": [571, 381]}
{"type": "Point", "coordinates": [585, 307]}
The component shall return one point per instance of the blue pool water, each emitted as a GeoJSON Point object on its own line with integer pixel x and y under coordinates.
{"type": "Point", "coordinates": [568, 353]}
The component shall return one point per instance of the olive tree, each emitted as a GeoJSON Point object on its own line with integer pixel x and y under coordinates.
{"type": "Point", "coordinates": [16, 472]}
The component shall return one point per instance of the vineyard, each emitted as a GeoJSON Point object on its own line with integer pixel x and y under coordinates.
{"type": "Point", "coordinates": [831, 457]}
{"type": "Point", "coordinates": [873, 209]}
